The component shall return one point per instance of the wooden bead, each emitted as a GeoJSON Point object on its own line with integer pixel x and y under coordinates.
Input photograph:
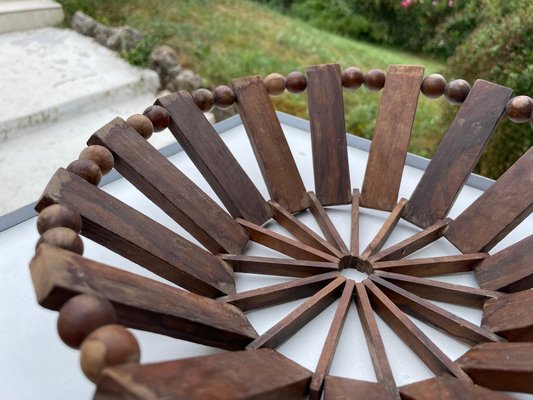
{"type": "Point", "coordinates": [352, 78]}
{"type": "Point", "coordinates": [107, 346]}
{"type": "Point", "coordinates": [58, 215]}
{"type": "Point", "coordinates": [141, 124]}
{"type": "Point", "coordinates": [86, 169]}
{"type": "Point", "coordinates": [374, 80]}
{"type": "Point", "coordinates": [64, 238]}
{"type": "Point", "coordinates": [224, 97]}
{"type": "Point", "coordinates": [159, 117]}
{"type": "Point", "coordinates": [296, 82]}
{"type": "Point", "coordinates": [81, 315]}
{"type": "Point", "coordinates": [519, 109]}
{"type": "Point", "coordinates": [456, 91]}
{"type": "Point", "coordinates": [275, 84]}
{"type": "Point", "coordinates": [433, 86]}
{"type": "Point", "coordinates": [204, 99]}
{"type": "Point", "coordinates": [100, 155]}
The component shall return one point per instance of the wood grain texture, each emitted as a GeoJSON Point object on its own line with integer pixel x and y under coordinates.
{"type": "Point", "coordinates": [457, 154]}
{"type": "Point", "coordinates": [509, 270]}
{"type": "Point", "coordinates": [298, 318]}
{"type": "Point", "coordinates": [388, 151]}
{"type": "Point", "coordinates": [354, 231]}
{"type": "Point", "coordinates": [155, 176]}
{"type": "Point", "coordinates": [269, 144]}
{"type": "Point", "coordinates": [336, 388]}
{"type": "Point", "coordinates": [140, 303]}
{"type": "Point", "coordinates": [126, 231]}
{"type": "Point", "coordinates": [227, 376]}
{"type": "Point", "coordinates": [214, 160]}
{"type": "Point", "coordinates": [500, 366]}
{"type": "Point", "coordinates": [497, 211]}
{"type": "Point", "coordinates": [328, 134]}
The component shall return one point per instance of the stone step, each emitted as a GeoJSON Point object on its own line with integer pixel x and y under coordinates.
{"type": "Point", "coordinates": [29, 14]}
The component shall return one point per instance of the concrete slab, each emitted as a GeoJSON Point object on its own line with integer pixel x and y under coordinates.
{"type": "Point", "coordinates": [29, 14]}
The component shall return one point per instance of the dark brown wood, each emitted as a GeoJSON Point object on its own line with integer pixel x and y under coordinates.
{"type": "Point", "coordinates": [214, 160]}
{"type": "Point", "coordinates": [269, 144]}
{"type": "Point", "coordinates": [155, 176]}
{"type": "Point", "coordinates": [497, 211]}
{"type": "Point", "coordinates": [293, 322]}
{"type": "Point", "coordinates": [413, 243]}
{"type": "Point", "coordinates": [278, 266]}
{"type": "Point", "coordinates": [328, 134]}
{"type": "Point", "coordinates": [337, 388]}
{"type": "Point", "coordinates": [374, 342]}
{"type": "Point", "coordinates": [500, 366]}
{"type": "Point", "coordinates": [510, 316]}
{"type": "Point", "coordinates": [283, 244]}
{"type": "Point", "coordinates": [354, 232]}
{"type": "Point", "coordinates": [391, 137]}
{"type": "Point", "coordinates": [509, 270]}
{"type": "Point", "coordinates": [126, 231]}
{"type": "Point", "coordinates": [282, 293]}
{"type": "Point", "coordinates": [330, 346]}
{"type": "Point", "coordinates": [432, 266]}
{"type": "Point", "coordinates": [243, 375]}
{"type": "Point", "coordinates": [434, 315]}
{"type": "Point", "coordinates": [457, 154]}
{"type": "Point", "coordinates": [385, 231]}
{"type": "Point", "coordinates": [140, 303]}
{"type": "Point", "coordinates": [426, 350]}
{"type": "Point", "coordinates": [440, 291]}
{"type": "Point", "coordinates": [457, 91]}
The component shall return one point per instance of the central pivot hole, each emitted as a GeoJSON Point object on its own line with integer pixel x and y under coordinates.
{"type": "Point", "coordinates": [355, 268]}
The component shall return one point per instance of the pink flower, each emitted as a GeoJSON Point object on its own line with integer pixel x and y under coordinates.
{"type": "Point", "coordinates": [405, 3]}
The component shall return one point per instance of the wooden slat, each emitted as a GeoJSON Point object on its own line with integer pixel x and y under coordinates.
{"type": "Point", "coordinates": [417, 341]}
{"type": "Point", "coordinates": [269, 144]}
{"type": "Point", "coordinates": [432, 266]}
{"type": "Point", "coordinates": [227, 376]}
{"type": "Point", "coordinates": [280, 293]}
{"type": "Point", "coordinates": [374, 342]}
{"type": "Point", "coordinates": [509, 270]}
{"type": "Point", "coordinates": [500, 366]}
{"type": "Point", "coordinates": [328, 134]}
{"type": "Point", "coordinates": [337, 388]}
{"type": "Point", "coordinates": [154, 175]}
{"type": "Point", "coordinates": [497, 211]}
{"type": "Point", "coordinates": [391, 137]}
{"type": "Point", "coordinates": [141, 303]}
{"type": "Point", "coordinates": [278, 266]}
{"type": "Point", "coordinates": [126, 231]}
{"type": "Point", "coordinates": [293, 322]}
{"type": "Point", "coordinates": [283, 244]}
{"type": "Point", "coordinates": [213, 159]}
{"type": "Point", "coordinates": [354, 231]}
{"type": "Point", "coordinates": [330, 346]}
{"type": "Point", "coordinates": [457, 154]}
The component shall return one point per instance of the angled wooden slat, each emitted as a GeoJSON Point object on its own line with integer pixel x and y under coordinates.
{"type": "Point", "coordinates": [432, 266]}
{"type": "Point", "coordinates": [226, 376]}
{"type": "Point", "coordinates": [500, 366]}
{"type": "Point", "coordinates": [283, 244]}
{"type": "Point", "coordinates": [457, 154]}
{"type": "Point", "coordinates": [328, 134]}
{"type": "Point", "coordinates": [354, 231]}
{"type": "Point", "coordinates": [293, 322]}
{"type": "Point", "coordinates": [434, 315]}
{"type": "Point", "coordinates": [330, 346]}
{"type": "Point", "coordinates": [497, 211]}
{"type": "Point", "coordinates": [269, 144]}
{"type": "Point", "coordinates": [326, 225]}
{"type": "Point", "coordinates": [440, 291]}
{"type": "Point", "coordinates": [337, 388]}
{"type": "Point", "coordinates": [417, 341]}
{"type": "Point", "coordinates": [391, 137]}
{"type": "Point", "coordinates": [374, 342]}
{"type": "Point", "coordinates": [141, 303]}
{"type": "Point", "coordinates": [213, 159]}
{"type": "Point", "coordinates": [154, 175]}
{"type": "Point", "coordinates": [280, 293]}
{"type": "Point", "coordinates": [278, 266]}
{"type": "Point", "coordinates": [413, 243]}
{"type": "Point", "coordinates": [509, 270]}
{"type": "Point", "coordinates": [385, 231]}
{"type": "Point", "coordinates": [126, 231]}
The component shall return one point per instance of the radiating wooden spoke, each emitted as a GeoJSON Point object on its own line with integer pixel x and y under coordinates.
{"type": "Point", "coordinates": [344, 388]}
{"type": "Point", "coordinates": [354, 231]}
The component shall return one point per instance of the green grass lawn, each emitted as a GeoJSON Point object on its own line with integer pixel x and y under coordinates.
{"type": "Point", "coordinates": [225, 39]}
